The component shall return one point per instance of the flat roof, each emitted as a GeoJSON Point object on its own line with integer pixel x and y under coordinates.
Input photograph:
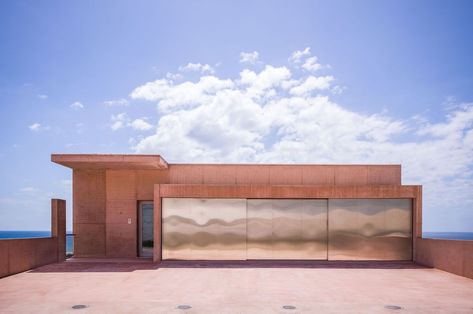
{"type": "Point", "coordinates": [256, 288]}
{"type": "Point", "coordinates": [157, 162]}
{"type": "Point", "coordinates": [110, 161]}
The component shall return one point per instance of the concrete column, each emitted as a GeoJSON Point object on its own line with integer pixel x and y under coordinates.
{"type": "Point", "coordinates": [58, 226]}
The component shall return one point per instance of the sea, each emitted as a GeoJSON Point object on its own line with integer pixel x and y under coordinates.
{"type": "Point", "coordinates": [37, 234]}
{"type": "Point", "coordinates": [448, 235]}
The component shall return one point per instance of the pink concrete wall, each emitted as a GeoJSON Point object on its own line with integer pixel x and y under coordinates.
{"type": "Point", "coordinates": [121, 213]}
{"type": "Point", "coordinates": [454, 256]}
{"type": "Point", "coordinates": [88, 191]}
{"type": "Point", "coordinates": [105, 200]}
{"type": "Point", "coordinates": [18, 255]}
{"type": "Point", "coordinates": [284, 174]}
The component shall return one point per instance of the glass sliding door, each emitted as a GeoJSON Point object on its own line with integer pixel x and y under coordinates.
{"type": "Point", "coordinates": [297, 229]}
{"type": "Point", "coordinates": [240, 229]}
{"type": "Point", "coordinates": [204, 229]}
{"type": "Point", "coordinates": [370, 229]}
{"type": "Point", "coordinates": [146, 230]}
{"type": "Point", "coordinates": [287, 229]}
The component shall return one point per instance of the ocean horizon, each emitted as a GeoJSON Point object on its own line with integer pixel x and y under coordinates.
{"type": "Point", "coordinates": [22, 234]}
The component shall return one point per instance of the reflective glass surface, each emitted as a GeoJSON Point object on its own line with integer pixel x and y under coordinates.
{"type": "Point", "coordinates": [146, 236]}
{"type": "Point", "coordinates": [239, 229]}
{"type": "Point", "coordinates": [370, 229]}
{"type": "Point", "coordinates": [287, 229]}
{"type": "Point", "coordinates": [204, 229]}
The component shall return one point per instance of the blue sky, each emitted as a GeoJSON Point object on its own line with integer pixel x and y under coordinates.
{"type": "Point", "coordinates": [240, 81]}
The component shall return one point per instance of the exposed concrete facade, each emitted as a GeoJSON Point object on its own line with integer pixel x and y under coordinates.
{"type": "Point", "coordinates": [455, 256]}
{"type": "Point", "coordinates": [18, 255]}
{"type": "Point", "coordinates": [107, 189]}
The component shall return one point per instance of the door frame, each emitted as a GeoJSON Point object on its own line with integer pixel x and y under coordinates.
{"type": "Point", "coordinates": [140, 228]}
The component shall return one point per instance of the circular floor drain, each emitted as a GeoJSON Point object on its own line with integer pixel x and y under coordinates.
{"type": "Point", "coordinates": [392, 307]}
{"type": "Point", "coordinates": [289, 307]}
{"type": "Point", "coordinates": [79, 306]}
{"type": "Point", "coordinates": [184, 307]}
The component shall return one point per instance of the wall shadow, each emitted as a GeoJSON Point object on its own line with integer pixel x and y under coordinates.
{"type": "Point", "coordinates": [120, 266]}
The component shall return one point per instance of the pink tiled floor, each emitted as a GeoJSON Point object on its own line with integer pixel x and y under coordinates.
{"type": "Point", "coordinates": [143, 287]}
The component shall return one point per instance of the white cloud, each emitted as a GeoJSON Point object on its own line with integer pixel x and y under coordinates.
{"type": "Point", "coordinates": [197, 67]}
{"type": "Point", "coordinates": [43, 97]}
{"type": "Point", "coordinates": [116, 102]}
{"type": "Point", "coordinates": [337, 89]}
{"type": "Point", "coordinates": [185, 94]}
{"type": "Point", "coordinates": [77, 105]}
{"type": "Point", "coordinates": [298, 55]}
{"type": "Point", "coordinates": [174, 76]}
{"type": "Point", "coordinates": [312, 83]}
{"type": "Point", "coordinates": [457, 121]}
{"type": "Point", "coordinates": [249, 57]}
{"type": "Point", "coordinates": [258, 84]}
{"type": "Point", "coordinates": [36, 127]}
{"type": "Point", "coordinates": [310, 64]}
{"type": "Point", "coordinates": [272, 116]}
{"type": "Point", "coordinates": [303, 59]}
{"type": "Point", "coordinates": [119, 121]}
{"type": "Point", "coordinates": [141, 124]}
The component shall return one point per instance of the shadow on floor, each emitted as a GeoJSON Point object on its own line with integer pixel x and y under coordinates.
{"type": "Point", "coordinates": [111, 265]}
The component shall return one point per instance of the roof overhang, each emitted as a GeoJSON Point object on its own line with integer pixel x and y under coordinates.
{"type": "Point", "coordinates": [109, 161]}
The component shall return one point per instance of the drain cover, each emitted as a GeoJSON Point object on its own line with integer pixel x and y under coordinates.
{"type": "Point", "coordinates": [79, 306]}
{"type": "Point", "coordinates": [184, 307]}
{"type": "Point", "coordinates": [392, 307]}
{"type": "Point", "coordinates": [289, 307]}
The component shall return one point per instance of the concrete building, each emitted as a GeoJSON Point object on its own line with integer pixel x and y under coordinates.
{"type": "Point", "coordinates": [139, 205]}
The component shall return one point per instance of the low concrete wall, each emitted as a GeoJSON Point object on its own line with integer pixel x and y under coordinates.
{"type": "Point", "coordinates": [18, 255]}
{"type": "Point", "coordinates": [454, 256]}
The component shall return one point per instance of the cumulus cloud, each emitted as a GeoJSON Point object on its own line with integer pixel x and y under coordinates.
{"type": "Point", "coordinates": [197, 67]}
{"type": "Point", "coordinates": [174, 76]}
{"type": "Point", "coordinates": [298, 55]}
{"type": "Point", "coordinates": [303, 59]}
{"type": "Point", "coordinates": [141, 124]}
{"type": "Point", "coordinates": [312, 83]}
{"type": "Point", "coordinates": [276, 116]}
{"type": "Point", "coordinates": [249, 57]}
{"type": "Point", "coordinates": [116, 102]}
{"type": "Point", "coordinates": [77, 105]}
{"type": "Point", "coordinates": [337, 89]}
{"type": "Point", "coordinates": [121, 120]}
{"type": "Point", "coordinates": [36, 127]}
{"type": "Point", "coordinates": [310, 64]}
{"type": "Point", "coordinates": [186, 94]}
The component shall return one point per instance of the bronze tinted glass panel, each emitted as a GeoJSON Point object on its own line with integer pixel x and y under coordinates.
{"type": "Point", "coordinates": [370, 229]}
{"type": "Point", "coordinates": [287, 229]}
{"type": "Point", "coordinates": [204, 229]}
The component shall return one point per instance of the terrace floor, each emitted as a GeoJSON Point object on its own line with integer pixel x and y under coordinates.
{"type": "Point", "coordinates": [139, 286]}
